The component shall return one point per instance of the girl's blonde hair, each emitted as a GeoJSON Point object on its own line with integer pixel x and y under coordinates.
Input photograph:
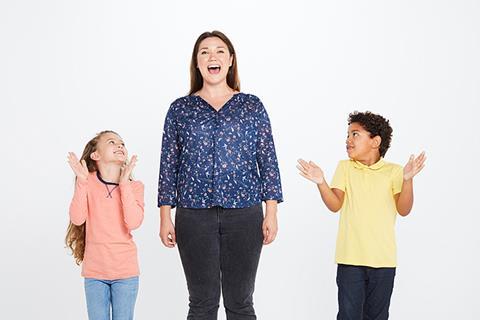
{"type": "Point", "coordinates": [75, 238]}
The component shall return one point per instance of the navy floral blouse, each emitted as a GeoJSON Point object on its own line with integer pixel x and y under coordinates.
{"type": "Point", "coordinates": [218, 158]}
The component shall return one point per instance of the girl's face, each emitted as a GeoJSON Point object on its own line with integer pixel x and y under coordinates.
{"type": "Point", "coordinates": [213, 60]}
{"type": "Point", "coordinates": [360, 145]}
{"type": "Point", "coordinates": [110, 148]}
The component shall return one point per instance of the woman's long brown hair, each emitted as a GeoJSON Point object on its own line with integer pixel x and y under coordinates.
{"type": "Point", "coordinates": [75, 238]}
{"type": "Point", "coordinates": [196, 79]}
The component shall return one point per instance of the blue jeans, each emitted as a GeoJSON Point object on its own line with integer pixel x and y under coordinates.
{"type": "Point", "coordinates": [364, 292]}
{"type": "Point", "coordinates": [220, 250]}
{"type": "Point", "coordinates": [119, 295]}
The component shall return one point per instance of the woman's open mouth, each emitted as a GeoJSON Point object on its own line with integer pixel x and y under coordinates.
{"type": "Point", "coordinates": [214, 69]}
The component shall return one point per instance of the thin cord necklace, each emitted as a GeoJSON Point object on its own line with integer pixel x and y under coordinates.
{"type": "Point", "coordinates": [105, 183]}
{"type": "Point", "coordinates": [109, 195]}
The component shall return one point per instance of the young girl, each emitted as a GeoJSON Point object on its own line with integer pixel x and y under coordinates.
{"type": "Point", "coordinates": [107, 204]}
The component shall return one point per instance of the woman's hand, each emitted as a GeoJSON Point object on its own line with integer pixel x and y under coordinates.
{"type": "Point", "coordinates": [79, 168]}
{"type": "Point", "coordinates": [311, 171]}
{"type": "Point", "coordinates": [127, 168]}
{"type": "Point", "coordinates": [270, 224]}
{"type": "Point", "coordinates": [167, 228]}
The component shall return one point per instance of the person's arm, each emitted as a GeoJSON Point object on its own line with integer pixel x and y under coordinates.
{"type": "Point", "coordinates": [167, 228]}
{"type": "Point", "coordinates": [79, 205]}
{"type": "Point", "coordinates": [332, 197]}
{"type": "Point", "coordinates": [267, 158]}
{"type": "Point", "coordinates": [167, 181]}
{"type": "Point", "coordinates": [131, 196]}
{"type": "Point", "coordinates": [269, 174]}
{"type": "Point", "coordinates": [270, 223]}
{"type": "Point", "coordinates": [131, 193]}
{"type": "Point", "coordinates": [169, 162]}
{"type": "Point", "coordinates": [404, 199]}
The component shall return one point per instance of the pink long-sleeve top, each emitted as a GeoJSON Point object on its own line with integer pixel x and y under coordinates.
{"type": "Point", "coordinates": [110, 211]}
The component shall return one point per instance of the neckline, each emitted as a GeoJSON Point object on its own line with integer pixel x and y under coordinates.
{"type": "Point", "coordinates": [375, 166]}
{"type": "Point", "coordinates": [105, 182]}
{"type": "Point", "coordinates": [222, 107]}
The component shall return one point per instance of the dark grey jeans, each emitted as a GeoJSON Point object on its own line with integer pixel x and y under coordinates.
{"type": "Point", "coordinates": [220, 248]}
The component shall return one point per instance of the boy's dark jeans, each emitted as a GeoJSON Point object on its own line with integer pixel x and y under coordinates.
{"type": "Point", "coordinates": [363, 292]}
{"type": "Point", "coordinates": [220, 247]}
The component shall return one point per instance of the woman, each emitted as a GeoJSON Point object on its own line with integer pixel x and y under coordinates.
{"type": "Point", "coordinates": [214, 140]}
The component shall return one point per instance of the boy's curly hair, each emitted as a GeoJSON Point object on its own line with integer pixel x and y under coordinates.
{"type": "Point", "coordinates": [376, 125]}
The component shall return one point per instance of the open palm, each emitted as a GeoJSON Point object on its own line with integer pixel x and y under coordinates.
{"type": "Point", "coordinates": [414, 166]}
{"type": "Point", "coordinates": [311, 171]}
{"type": "Point", "coordinates": [128, 168]}
{"type": "Point", "coordinates": [79, 167]}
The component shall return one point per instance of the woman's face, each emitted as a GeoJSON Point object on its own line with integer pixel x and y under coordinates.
{"type": "Point", "coordinates": [213, 60]}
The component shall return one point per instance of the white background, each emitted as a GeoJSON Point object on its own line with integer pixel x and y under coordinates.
{"type": "Point", "coordinates": [69, 69]}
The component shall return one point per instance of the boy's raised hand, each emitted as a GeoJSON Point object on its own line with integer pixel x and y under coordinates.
{"type": "Point", "coordinates": [79, 168]}
{"type": "Point", "coordinates": [311, 171]}
{"type": "Point", "coordinates": [127, 169]}
{"type": "Point", "coordinates": [414, 166]}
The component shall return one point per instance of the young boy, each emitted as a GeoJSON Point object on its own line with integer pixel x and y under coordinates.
{"type": "Point", "coordinates": [370, 192]}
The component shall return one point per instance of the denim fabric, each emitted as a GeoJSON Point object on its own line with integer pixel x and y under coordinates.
{"type": "Point", "coordinates": [116, 295]}
{"type": "Point", "coordinates": [218, 158]}
{"type": "Point", "coordinates": [220, 250]}
{"type": "Point", "coordinates": [364, 292]}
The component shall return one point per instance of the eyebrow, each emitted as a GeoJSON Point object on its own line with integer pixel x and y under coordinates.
{"type": "Point", "coordinates": [206, 48]}
{"type": "Point", "coordinates": [112, 139]}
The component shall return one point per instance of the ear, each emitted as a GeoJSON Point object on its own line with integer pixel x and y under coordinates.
{"type": "Point", "coordinates": [231, 60]}
{"type": "Point", "coordinates": [377, 140]}
{"type": "Point", "coordinates": [95, 156]}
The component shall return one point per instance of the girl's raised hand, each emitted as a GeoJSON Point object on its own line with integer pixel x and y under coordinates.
{"type": "Point", "coordinates": [127, 169]}
{"type": "Point", "coordinates": [311, 171]}
{"type": "Point", "coordinates": [414, 166]}
{"type": "Point", "coordinates": [79, 168]}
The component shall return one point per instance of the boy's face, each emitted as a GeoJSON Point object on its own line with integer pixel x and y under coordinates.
{"type": "Point", "coordinates": [360, 146]}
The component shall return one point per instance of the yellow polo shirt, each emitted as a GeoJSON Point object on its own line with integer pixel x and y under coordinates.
{"type": "Point", "coordinates": [366, 233]}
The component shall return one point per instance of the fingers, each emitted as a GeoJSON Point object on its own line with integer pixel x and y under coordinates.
{"type": "Point", "coordinates": [167, 235]}
{"type": "Point", "coordinates": [77, 167]}
{"type": "Point", "coordinates": [412, 158]}
{"type": "Point", "coordinates": [128, 167]}
{"type": "Point", "coordinates": [133, 161]}
{"type": "Point", "coordinates": [84, 165]}
{"type": "Point", "coordinates": [72, 156]}
{"type": "Point", "coordinates": [304, 175]}
{"type": "Point", "coordinates": [420, 160]}
{"type": "Point", "coordinates": [265, 233]}
{"type": "Point", "coordinates": [313, 164]}
{"type": "Point", "coordinates": [302, 169]}
{"type": "Point", "coordinates": [303, 164]}
{"type": "Point", "coordinates": [169, 239]}
{"type": "Point", "coordinates": [269, 234]}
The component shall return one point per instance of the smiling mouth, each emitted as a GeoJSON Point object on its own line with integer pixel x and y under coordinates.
{"type": "Point", "coordinates": [119, 152]}
{"type": "Point", "coordinates": [214, 69]}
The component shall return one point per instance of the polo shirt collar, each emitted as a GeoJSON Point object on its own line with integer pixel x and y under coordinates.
{"type": "Point", "coordinates": [380, 163]}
